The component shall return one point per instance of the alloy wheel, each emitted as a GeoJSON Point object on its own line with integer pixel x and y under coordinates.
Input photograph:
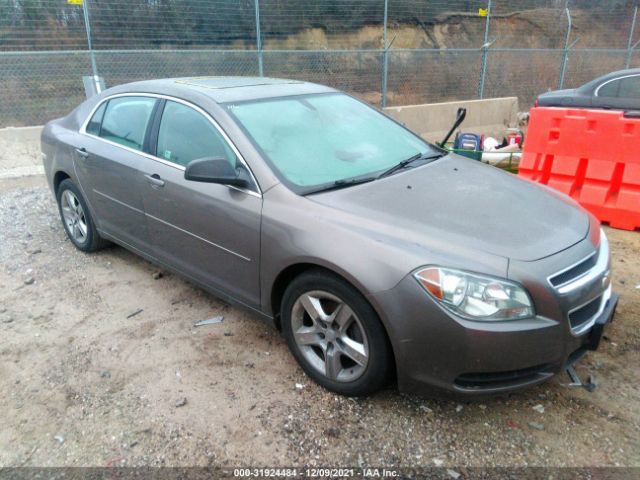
{"type": "Point", "coordinates": [330, 336]}
{"type": "Point", "coordinates": [74, 217]}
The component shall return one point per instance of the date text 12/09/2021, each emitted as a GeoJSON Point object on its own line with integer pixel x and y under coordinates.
{"type": "Point", "coordinates": [364, 472]}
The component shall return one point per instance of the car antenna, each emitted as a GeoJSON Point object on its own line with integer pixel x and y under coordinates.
{"type": "Point", "coordinates": [462, 113]}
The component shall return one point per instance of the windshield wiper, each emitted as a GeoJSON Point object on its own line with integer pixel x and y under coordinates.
{"type": "Point", "coordinates": [400, 165]}
{"type": "Point", "coordinates": [347, 182]}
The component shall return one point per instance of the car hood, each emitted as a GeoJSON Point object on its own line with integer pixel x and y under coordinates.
{"type": "Point", "coordinates": [457, 202]}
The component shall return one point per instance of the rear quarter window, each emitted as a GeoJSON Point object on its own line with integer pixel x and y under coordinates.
{"type": "Point", "coordinates": [93, 127]}
{"type": "Point", "coordinates": [609, 89]}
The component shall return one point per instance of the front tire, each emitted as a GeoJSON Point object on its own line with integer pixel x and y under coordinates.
{"type": "Point", "coordinates": [335, 334]}
{"type": "Point", "coordinates": [76, 218]}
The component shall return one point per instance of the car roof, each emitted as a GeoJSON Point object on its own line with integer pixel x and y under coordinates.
{"type": "Point", "coordinates": [225, 89]}
{"type": "Point", "coordinates": [609, 76]}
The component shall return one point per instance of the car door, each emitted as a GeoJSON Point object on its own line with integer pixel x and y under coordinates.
{"type": "Point", "coordinates": [107, 165]}
{"type": "Point", "coordinates": [208, 231]}
{"type": "Point", "coordinates": [620, 94]}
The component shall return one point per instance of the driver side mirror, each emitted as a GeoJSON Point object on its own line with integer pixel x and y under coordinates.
{"type": "Point", "coordinates": [214, 170]}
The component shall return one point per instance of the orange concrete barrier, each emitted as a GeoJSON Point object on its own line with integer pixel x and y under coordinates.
{"type": "Point", "coordinates": [591, 155]}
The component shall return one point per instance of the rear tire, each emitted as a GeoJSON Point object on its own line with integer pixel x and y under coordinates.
{"type": "Point", "coordinates": [76, 218]}
{"type": "Point", "coordinates": [335, 334]}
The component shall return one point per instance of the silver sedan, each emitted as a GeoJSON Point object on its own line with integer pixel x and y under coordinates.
{"type": "Point", "coordinates": [380, 257]}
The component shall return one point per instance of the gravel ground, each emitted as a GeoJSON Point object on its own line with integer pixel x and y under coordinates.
{"type": "Point", "coordinates": [85, 382]}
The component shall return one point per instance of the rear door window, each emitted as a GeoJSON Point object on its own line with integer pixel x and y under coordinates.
{"type": "Point", "coordinates": [126, 119]}
{"type": "Point", "coordinates": [630, 87]}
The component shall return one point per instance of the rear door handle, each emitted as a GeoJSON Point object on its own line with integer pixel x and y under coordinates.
{"type": "Point", "coordinates": [154, 180]}
{"type": "Point", "coordinates": [82, 152]}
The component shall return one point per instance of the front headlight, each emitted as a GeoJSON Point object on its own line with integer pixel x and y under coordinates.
{"type": "Point", "coordinates": [474, 296]}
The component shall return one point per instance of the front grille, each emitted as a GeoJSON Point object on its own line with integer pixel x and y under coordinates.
{"type": "Point", "coordinates": [488, 380]}
{"type": "Point", "coordinates": [585, 313]}
{"type": "Point", "coordinates": [574, 272]}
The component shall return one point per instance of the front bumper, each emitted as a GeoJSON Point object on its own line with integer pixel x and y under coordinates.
{"type": "Point", "coordinates": [437, 351]}
{"type": "Point", "coordinates": [594, 336]}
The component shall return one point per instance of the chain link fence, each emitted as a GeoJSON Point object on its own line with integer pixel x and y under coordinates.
{"type": "Point", "coordinates": [387, 52]}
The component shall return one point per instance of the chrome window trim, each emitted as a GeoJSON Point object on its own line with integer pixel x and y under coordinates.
{"type": "Point", "coordinates": [83, 131]}
{"type": "Point", "coordinates": [601, 266]}
{"type": "Point", "coordinates": [595, 94]}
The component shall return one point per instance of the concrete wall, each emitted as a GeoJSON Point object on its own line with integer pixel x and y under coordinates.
{"type": "Point", "coordinates": [432, 121]}
{"type": "Point", "coordinates": [20, 146]}
{"type": "Point", "coordinates": [20, 151]}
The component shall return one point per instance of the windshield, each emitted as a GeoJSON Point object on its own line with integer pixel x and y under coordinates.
{"type": "Point", "coordinates": [314, 140]}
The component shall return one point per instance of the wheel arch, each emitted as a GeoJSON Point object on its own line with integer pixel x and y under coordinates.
{"type": "Point", "coordinates": [289, 273]}
{"type": "Point", "coordinates": [59, 177]}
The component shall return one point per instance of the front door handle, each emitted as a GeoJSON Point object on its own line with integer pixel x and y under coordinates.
{"type": "Point", "coordinates": [154, 180]}
{"type": "Point", "coordinates": [82, 152]}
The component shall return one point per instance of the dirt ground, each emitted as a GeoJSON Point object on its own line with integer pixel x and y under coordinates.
{"type": "Point", "coordinates": [84, 382]}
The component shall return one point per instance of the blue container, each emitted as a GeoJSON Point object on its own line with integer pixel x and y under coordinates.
{"type": "Point", "coordinates": [468, 145]}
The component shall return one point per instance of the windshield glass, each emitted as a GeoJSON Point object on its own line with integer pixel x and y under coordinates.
{"type": "Point", "coordinates": [313, 140]}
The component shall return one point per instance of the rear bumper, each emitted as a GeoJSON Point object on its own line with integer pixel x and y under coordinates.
{"type": "Point", "coordinates": [437, 351]}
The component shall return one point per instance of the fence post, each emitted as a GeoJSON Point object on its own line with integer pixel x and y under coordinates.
{"type": "Point", "coordinates": [485, 52]}
{"type": "Point", "coordinates": [565, 56]}
{"type": "Point", "coordinates": [259, 39]}
{"type": "Point", "coordinates": [385, 57]}
{"type": "Point", "coordinates": [92, 55]}
{"type": "Point", "coordinates": [629, 47]}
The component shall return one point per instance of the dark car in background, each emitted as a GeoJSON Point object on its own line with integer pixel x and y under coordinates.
{"type": "Point", "coordinates": [616, 90]}
{"type": "Point", "coordinates": [373, 251]}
